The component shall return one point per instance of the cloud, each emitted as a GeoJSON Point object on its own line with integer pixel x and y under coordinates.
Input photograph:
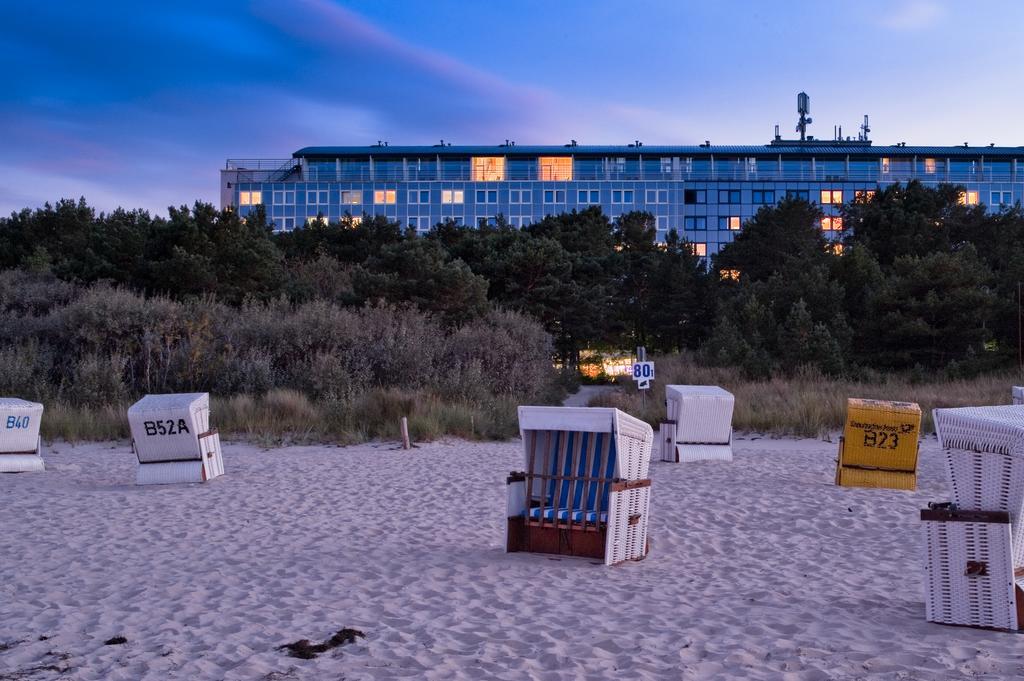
{"type": "Point", "coordinates": [912, 15]}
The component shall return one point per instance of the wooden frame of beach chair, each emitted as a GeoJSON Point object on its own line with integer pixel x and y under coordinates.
{"type": "Point", "coordinates": [879, 445]}
{"type": "Point", "coordinates": [975, 552]}
{"type": "Point", "coordinates": [699, 423]}
{"type": "Point", "coordinates": [585, 490]}
{"type": "Point", "coordinates": [20, 444]}
{"type": "Point", "coordinates": [173, 441]}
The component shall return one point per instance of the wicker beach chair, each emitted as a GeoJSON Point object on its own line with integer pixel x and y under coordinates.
{"type": "Point", "coordinates": [974, 550]}
{"type": "Point", "coordinates": [20, 444]}
{"type": "Point", "coordinates": [879, 445]}
{"type": "Point", "coordinates": [699, 424]}
{"type": "Point", "coordinates": [585, 490]}
{"type": "Point", "coordinates": [173, 441]}
{"type": "Point", "coordinates": [1017, 394]}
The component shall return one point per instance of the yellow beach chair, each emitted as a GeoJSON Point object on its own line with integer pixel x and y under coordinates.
{"type": "Point", "coordinates": [879, 444]}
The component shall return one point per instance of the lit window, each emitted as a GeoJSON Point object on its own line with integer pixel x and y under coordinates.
{"type": "Point", "coordinates": [863, 195]}
{"type": "Point", "coordinates": [831, 195]}
{"type": "Point", "coordinates": [700, 250]}
{"type": "Point", "coordinates": [554, 168]}
{"type": "Point", "coordinates": [885, 166]}
{"type": "Point", "coordinates": [355, 220]}
{"type": "Point", "coordinates": [831, 224]}
{"type": "Point", "coordinates": [452, 196]}
{"type": "Point", "coordinates": [837, 248]}
{"type": "Point", "coordinates": [351, 197]}
{"type": "Point", "coordinates": [244, 198]}
{"type": "Point", "coordinates": [384, 196]}
{"type": "Point", "coordinates": [317, 220]}
{"type": "Point", "coordinates": [729, 275]}
{"type": "Point", "coordinates": [929, 165]}
{"type": "Point", "coordinates": [732, 222]}
{"type": "Point", "coordinates": [968, 198]}
{"type": "Point", "coordinates": [488, 168]}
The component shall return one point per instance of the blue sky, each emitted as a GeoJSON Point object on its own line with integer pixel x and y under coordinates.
{"type": "Point", "coordinates": [139, 104]}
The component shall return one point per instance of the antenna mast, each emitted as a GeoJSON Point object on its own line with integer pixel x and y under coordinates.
{"type": "Point", "coordinates": [803, 107]}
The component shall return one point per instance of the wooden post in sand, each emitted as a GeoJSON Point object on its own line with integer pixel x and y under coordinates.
{"type": "Point", "coordinates": [405, 433]}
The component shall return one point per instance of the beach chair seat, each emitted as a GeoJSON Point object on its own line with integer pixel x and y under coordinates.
{"type": "Point", "coordinates": [879, 445]}
{"type": "Point", "coordinates": [20, 444]}
{"type": "Point", "coordinates": [698, 425]}
{"type": "Point", "coordinates": [173, 441]}
{"type": "Point", "coordinates": [585, 490]}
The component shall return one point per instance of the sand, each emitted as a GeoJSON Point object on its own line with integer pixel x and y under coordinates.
{"type": "Point", "coordinates": [759, 569]}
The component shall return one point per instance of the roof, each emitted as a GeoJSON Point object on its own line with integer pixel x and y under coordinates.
{"type": "Point", "coordinates": [813, 149]}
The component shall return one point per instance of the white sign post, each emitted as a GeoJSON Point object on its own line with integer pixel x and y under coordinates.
{"type": "Point", "coordinates": [643, 374]}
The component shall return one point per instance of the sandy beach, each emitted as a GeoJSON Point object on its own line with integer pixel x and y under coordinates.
{"type": "Point", "coordinates": [760, 568]}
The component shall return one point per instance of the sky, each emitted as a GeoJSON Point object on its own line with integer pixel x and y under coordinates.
{"type": "Point", "coordinates": [139, 104]}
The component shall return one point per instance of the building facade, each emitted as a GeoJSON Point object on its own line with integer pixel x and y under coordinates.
{"type": "Point", "coordinates": [706, 193]}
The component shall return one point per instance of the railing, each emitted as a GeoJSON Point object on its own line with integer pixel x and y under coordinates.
{"type": "Point", "coordinates": [276, 171]}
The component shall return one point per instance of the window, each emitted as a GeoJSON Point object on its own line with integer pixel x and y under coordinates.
{"type": "Point", "coordinates": [968, 198]}
{"type": "Point", "coordinates": [697, 222]}
{"type": "Point", "coordinates": [520, 222]}
{"type": "Point", "coordinates": [728, 195]}
{"type": "Point", "coordinates": [831, 195]}
{"type": "Point", "coordinates": [589, 196]}
{"type": "Point", "coordinates": [322, 198]}
{"type": "Point", "coordinates": [317, 220]}
{"type": "Point", "coordinates": [662, 223]}
{"type": "Point", "coordinates": [836, 248]}
{"type": "Point", "coordinates": [863, 195]}
{"type": "Point", "coordinates": [250, 198]}
{"type": "Point", "coordinates": [831, 224]}
{"type": "Point", "coordinates": [656, 196]}
{"type": "Point", "coordinates": [414, 223]}
{"type": "Point", "coordinates": [289, 224]}
{"type": "Point", "coordinates": [692, 196]}
{"type": "Point", "coordinates": [929, 166]}
{"type": "Point", "coordinates": [310, 198]}
{"type": "Point", "coordinates": [798, 194]}
{"type": "Point", "coordinates": [486, 196]}
{"type": "Point", "coordinates": [316, 197]}
{"type": "Point", "coordinates": [885, 166]}
{"type": "Point", "coordinates": [384, 196]}
{"type": "Point", "coordinates": [488, 168]}
{"type": "Point", "coordinates": [452, 196]}
{"type": "Point", "coordinates": [554, 196]}
{"type": "Point", "coordinates": [666, 166]}
{"type": "Point", "coordinates": [732, 222]}
{"type": "Point", "coordinates": [622, 196]}
{"type": "Point", "coordinates": [729, 275]}
{"type": "Point", "coordinates": [1001, 199]}
{"type": "Point", "coordinates": [520, 196]}
{"type": "Point", "coordinates": [700, 250]}
{"type": "Point", "coordinates": [554, 168]}
{"type": "Point", "coordinates": [351, 196]}
{"type": "Point", "coordinates": [486, 220]}
{"type": "Point", "coordinates": [419, 196]}
{"type": "Point", "coordinates": [289, 198]}
{"type": "Point", "coordinates": [764, 196]}
{"type": "Point", "coordinates": [278, 198]}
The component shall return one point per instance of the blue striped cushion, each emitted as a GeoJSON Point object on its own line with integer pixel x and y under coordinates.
{"type": "Point", "coordinates": [563, 514]}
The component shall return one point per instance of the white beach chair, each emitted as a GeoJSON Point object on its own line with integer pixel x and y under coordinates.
{"type": "Point", "coordinates": [1017, 394]}
{"type": "Point", "coordinates": [699, 423]}
{"type": "Point", "coordinates": [172, 439]}
{"type": "Point", "coordinates": [20, 444]}
{"type": "Point", "coordinates": [585, 490]}
{"type": "Point", "coordinates": [974, 552]}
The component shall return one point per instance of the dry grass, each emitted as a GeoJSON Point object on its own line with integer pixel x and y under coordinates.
{"type": "Point", "coordinates": [808, 405]}
{"type": "Point", "coordinates": [282, 416]}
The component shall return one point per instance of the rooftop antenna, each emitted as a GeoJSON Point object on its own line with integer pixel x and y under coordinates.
{"type": "Point", "coordinates": [864, 130]}
{"type": "Point", "coordinates": [803, 107]}
{"type": "Point", "coordinates": [777, 135]}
